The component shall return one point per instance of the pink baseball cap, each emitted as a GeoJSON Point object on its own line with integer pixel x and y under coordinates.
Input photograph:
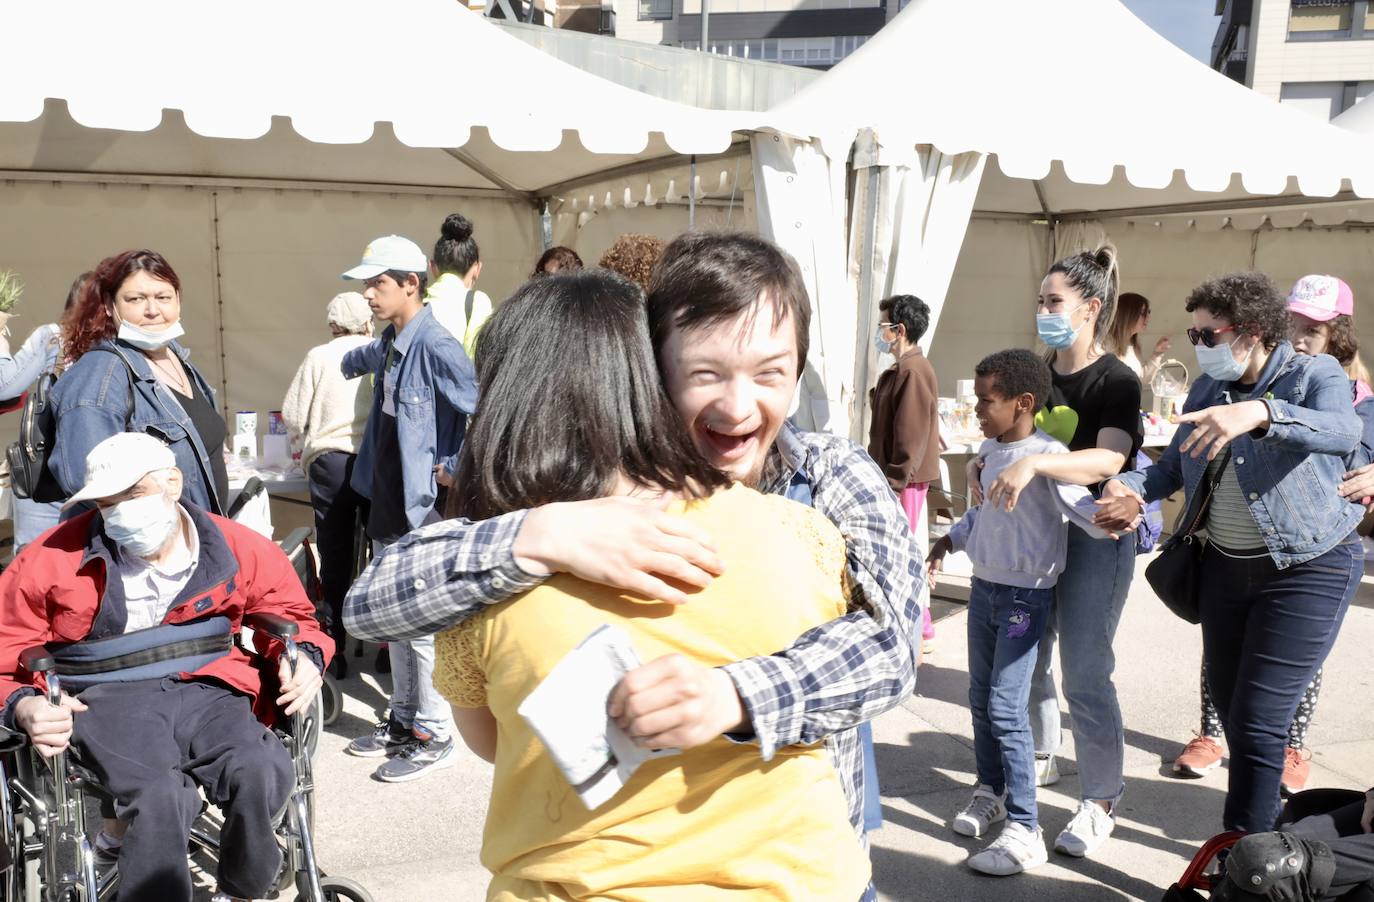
{"type": "Point", "coordinates": [1321, 298]}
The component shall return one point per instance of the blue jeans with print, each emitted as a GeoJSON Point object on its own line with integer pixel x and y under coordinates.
{"type": "Point", "coordinates": [1087, 608]}
{"type": "Point", "coordinates": [1005, 624]}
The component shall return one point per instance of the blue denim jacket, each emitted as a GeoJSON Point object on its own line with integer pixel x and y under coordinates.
{"type": "Point", "coordinates": [436, 390]}
{"type": "Point", "coordinates": [91, 399]}
{"type": "Point", "coordinates": [1289, 472]}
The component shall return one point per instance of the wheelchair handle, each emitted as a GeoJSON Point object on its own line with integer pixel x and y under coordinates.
{"type": "Point", "coordinates": [54, 689]}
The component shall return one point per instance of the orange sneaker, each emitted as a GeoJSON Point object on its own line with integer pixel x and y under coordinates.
{"type": "Point", "coordinates": [1297, 767]}
{"type": "Point", "coordinates": [1201, 754]}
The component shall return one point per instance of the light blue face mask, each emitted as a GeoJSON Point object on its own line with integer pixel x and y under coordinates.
{"type": "Point", "coordinates": [882, 344]}
{"type": "Point", "coordinates": [1220, 363]}
{"type": "Point", "coordinates": [1056, 329]}
{"type": "Point", "coordinates": [146, 340]}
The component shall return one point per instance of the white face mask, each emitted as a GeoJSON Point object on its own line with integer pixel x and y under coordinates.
{"type": "Point", "coordinates": [141, 525]}
{"type": "Point", "coordinates": [145, 340]}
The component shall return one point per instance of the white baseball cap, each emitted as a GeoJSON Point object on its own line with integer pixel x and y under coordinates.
{"type": "Point", "coordinates": [348, 311]}
{"type": "Point", "coordinates": [120, 461]}
{"type": "Point", "coordinates": [391, 252]}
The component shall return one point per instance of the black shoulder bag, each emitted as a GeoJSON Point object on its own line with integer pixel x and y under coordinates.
{"type": "Point", "coordinates": [1174, 574]}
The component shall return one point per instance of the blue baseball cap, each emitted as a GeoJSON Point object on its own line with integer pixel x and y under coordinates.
{"type": "Point", "coordinates": [390, 253]}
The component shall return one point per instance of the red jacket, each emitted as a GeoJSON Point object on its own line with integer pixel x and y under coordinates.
{"type": "Point", "coordinates": [58, 590]}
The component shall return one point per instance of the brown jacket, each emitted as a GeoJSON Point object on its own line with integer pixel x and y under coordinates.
{"type": "Point", "coordinates": [904, 437]}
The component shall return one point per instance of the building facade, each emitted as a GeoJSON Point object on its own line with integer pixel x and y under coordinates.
{"type": "Point", "coordinates": [1316, 55]}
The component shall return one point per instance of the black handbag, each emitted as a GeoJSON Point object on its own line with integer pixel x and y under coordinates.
{"type": "Point", "coordinates": [1175, 572]}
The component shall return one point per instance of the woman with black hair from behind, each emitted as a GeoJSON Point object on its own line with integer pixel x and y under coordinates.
{"type": "Point", "coordinates": [575, 410]}
{"type": "Point", "coordinates": [453, 295]}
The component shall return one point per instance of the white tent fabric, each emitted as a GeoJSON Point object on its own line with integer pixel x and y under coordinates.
{"type": "Point", "coordinates": [1359, 118]}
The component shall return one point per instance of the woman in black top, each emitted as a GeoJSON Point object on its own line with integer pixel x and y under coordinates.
{"type": "Point", "coordinates": [129, 374]}
{"type": "Point", "coordinates": [1094, 409]}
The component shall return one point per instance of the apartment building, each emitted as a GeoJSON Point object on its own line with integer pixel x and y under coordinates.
{"type": "Point", "coordinates": [1317, 55]}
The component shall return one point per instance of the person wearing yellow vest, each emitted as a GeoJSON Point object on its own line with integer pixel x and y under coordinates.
{"type": "Point", "coordinates": [453, 295]}
{"type": "Point", "coordinates": [717, 815]}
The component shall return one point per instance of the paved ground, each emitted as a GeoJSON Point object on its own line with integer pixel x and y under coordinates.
{"type": "Point", "coordinates": [421, 840]}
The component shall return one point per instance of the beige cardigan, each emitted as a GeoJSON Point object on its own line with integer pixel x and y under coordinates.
{"type": "Point", "coordinates": [328, 411]}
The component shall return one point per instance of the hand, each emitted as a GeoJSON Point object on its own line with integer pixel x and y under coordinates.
{"type": "Point", "coordinates": [1161, 346]}
{"type": "Point", "coordinates": [623, 542]}
{"type": "Point", "coordinates": [49, 726]}
{"type": "Point", "coordinates": [1118, 516]}
{"type": "Point", "coordinates": [935, 561]}
{"type": "Point", "coordinates": [676, 703]}
{"type": "Point", "coordinates": [1006, 488]}
{"type": "Point", "coordinates": [1215, 426]}
{"type": "Point", "coordinates": [1358, 485]}
{"type": "Point", "coordinates": [298, 689]}
{"type": "Point", "coordinates": [973, 472]}
{"type": "Point", "coordinates": [442, 476]}
{"type": "Point", "coordinates": [1368, 816]}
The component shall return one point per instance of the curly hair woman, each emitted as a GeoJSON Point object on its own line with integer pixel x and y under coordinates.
{"type": "Point", "coordinates": [1271, 428]}
{"type": "Point", "coordinates": [634, 257]}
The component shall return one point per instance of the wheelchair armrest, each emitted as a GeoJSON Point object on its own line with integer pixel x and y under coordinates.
{"type": "Point", "coordinates": [294, 539]}
{"type": "Point", "coordinates": [272, 625]}
{"type": "Point", "coordinates": [37, 659]}
{"type": "Point", "coordinates": [250, 490]}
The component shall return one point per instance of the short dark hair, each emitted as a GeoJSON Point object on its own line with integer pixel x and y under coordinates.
{"type": "Point", "coordinates": [1341, 340]}
{"type": "Point", "coordinates": [399, 277]}
{"type": "Point", "coordinates": [572, 404]}
{"type": "Point", "coordinates": [565, 257]}
{"type": "Point", "coordinates": [1016, 372]}
{"type": "Point", "coordinates": [708, 278]}
{"type": "Point", "coordinates": [456, 251]}
{"type": "Point", "coordinates": [908, 311]}
{"type": "Point", "coordinates": [1250, 301]}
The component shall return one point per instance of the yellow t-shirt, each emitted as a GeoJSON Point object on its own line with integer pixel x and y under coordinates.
{"type": "Point", "coordinates": [712, 822]}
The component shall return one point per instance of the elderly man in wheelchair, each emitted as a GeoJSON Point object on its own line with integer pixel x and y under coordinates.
{"type": "Point", "coordinates": [134, 608]}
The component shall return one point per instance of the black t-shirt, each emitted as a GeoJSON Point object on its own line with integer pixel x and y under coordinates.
{"type": "Point", "coordinates": [212, 431]}
{"type": "Point", "coordinates": [1104, 394]}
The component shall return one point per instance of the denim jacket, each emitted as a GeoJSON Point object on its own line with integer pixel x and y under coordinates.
{"type": "Point", "coordinates": [1290, 471]}
{"type": "Point", "coordinates": [435, 391]}
{"type": "Point", "coordinates": [92, 402]}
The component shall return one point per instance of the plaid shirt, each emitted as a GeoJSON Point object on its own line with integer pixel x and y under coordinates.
{"type": "Point", "coordinates": [832, 679]}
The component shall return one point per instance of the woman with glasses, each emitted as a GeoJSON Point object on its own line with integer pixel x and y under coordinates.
{"type": "Point", "coordinates": [1132, 318]}
{"type": "Point", "coordinates": [1272, 428]}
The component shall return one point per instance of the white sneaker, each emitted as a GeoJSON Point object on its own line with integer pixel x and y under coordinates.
{"type": "Point", "coordinates": [1018, 848]}
{"type": "Point", "coordinates": [983, 810]}
{"type": "Point", "coordinates": [1086, 831]}
{"type": "Point", "coordinates": [1046, 771]}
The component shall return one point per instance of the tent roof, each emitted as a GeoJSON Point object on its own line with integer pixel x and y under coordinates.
{"type": "Point", "coordinates": [1066, 93]}
{"type": "Point", "coordinates": [381, 78]}
{"type": "Point", "coordinates": [1359, 118]}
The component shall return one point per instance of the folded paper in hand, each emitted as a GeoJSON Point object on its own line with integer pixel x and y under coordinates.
{"type": "Point", "coordinates": [567, 711]}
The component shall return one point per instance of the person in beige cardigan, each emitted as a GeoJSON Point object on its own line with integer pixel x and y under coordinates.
{"type": "Point", "coordinates": [327, 414]}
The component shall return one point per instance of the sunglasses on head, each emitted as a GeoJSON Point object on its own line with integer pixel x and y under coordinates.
{"type": "Point", "coordinates": [1208, 335]}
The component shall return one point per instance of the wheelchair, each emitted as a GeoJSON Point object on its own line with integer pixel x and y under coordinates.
{"type": "Point", "coordinates": [46, 852]}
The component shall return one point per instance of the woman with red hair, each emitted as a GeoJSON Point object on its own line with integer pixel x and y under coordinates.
{"type": "Point", "coordinates": [129, 374]}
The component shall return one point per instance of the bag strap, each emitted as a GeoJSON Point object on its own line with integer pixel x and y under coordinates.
{"type": "Point", "coordinates": [1205, 500]}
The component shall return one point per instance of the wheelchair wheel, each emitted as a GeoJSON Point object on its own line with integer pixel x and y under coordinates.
{"type": "Point", "coordinates": [340, 889]}
{"type": "Point", "coordinates": [331, 700]}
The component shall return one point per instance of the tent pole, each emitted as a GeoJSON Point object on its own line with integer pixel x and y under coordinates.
{"type": "Point", "coordinates": [692, 195]}
{"type": "Point", "coordinates": [863, 352]}
{"type": "Point", "coordinates": [218, 288]}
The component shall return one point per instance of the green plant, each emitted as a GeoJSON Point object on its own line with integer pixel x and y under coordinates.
{"type": "Point", "coordinates": [10, 290]}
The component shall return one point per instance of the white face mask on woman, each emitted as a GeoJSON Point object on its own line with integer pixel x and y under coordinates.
{"type": "Point", "coordinates": [141, 525]}
{"type": "Point", "coordinates": [145, 340]}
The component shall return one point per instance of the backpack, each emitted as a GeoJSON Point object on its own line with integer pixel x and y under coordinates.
{"type": "Point", "coordinates": [28, 457]}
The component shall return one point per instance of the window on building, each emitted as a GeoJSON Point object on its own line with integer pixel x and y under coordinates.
{"type": "Point", "coordinates": [1320, 99]}
{"type": "Point", "coordinates": [655, 9]}
{"type": "Point", "coordinates": [792, 51]}
{"type": "Point", "coordinates": [1319, 19]}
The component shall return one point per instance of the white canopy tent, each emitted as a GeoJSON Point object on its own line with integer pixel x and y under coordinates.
{"type": "Point", "coordinates": [1087, 112]}
{"type": "Point", "coordinates": [1359, 118]}
{"type": "Point", "coordinates": [260, 145]}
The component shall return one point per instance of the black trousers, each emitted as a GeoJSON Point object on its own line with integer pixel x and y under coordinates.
{"type": "Point", "coordinates": [1332, 816]}
{"type": "Point", "coordinates": [151, 743]}
{"type": "Point", "coordinates": [337, 509]}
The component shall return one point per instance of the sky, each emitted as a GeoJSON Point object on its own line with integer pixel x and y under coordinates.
{"type": "Point", "coordinates": [1189, 24]}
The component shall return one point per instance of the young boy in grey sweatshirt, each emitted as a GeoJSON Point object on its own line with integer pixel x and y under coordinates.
{"type": "Point", "coordinates": [1017, 557]}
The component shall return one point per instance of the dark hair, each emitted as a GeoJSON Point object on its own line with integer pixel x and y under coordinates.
{"type": "Point", "coordinates": [1094, 275]}
{"type": "Point", "coordinates": [91, 320]}
{"type": "Point", "coordinates": [1250, 301]}
{"type": "Point", "coordinates": [1016, 372]}
{"type": "Point", "coordinates": [74, 293]}
{"type": "Point", "coordinates": [456, 251]}
{"type": "Point", "coordinates": [634, 257]}
{"type": "Point", "coordinates": [705, 279]}
{"type": "Point", "coordinates": [1341, 341]}
{"type": "Point", "coordinates": [565, 260]}
{"type": "Point", "coordinates": [572, 405]}
{"type": "Point", "coordinates": [908, 311]}
{"type": "Point", "coordinates": [399, 277]}
{"type": "Point", "coordinates": [1129, 308]}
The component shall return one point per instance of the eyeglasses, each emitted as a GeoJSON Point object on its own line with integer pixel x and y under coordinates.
{"type": "Point", "coordinates": [1208, 336]}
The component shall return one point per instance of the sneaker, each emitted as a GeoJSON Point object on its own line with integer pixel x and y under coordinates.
{"type": "Point", "coordinates": [417, 758]}
{"type": "Point", "coordinates": [1018, 848]}
{"type": "Point", "coordinates": [927, 645]}
{"type": "Point", "coordinates": [983, 810]}
{"type": "Point", "coordinates": [385, 740]}
{"type": "Point", "coordinates": [1201, 754]}
{"type": "Point", "coordinates": [1086, 831]}
{"type": "Point", "coordinates": [1297, 767]}
{"type": "Point", "coordinates": [1046, 771]}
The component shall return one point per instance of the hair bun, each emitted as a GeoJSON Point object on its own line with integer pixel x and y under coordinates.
{"type": "Point", "coordinates": [456, 227]}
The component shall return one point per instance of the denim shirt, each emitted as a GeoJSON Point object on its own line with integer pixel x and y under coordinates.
{"type": "Point", "coordinates": [92, 402]}
{"type": "Point", "coordinates": [435, 391]}
{"type": "Point", "coordinates": [1290, 471]}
